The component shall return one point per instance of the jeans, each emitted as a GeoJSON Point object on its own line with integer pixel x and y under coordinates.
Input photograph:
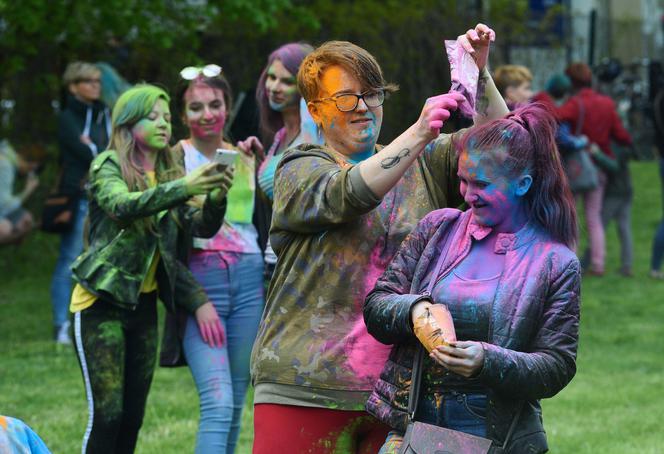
{"type": "Point", "coordinates": [658, 243]}
{"type": "Point", "coordinates": [592, 205]}
{"type": "Point", "coordinates": [71, 246]}
{"type": "Point", "coordinates": [234, 285]}
{"type": "Point", "coordinates": [454, 410]}
{"type": "Point", "coordinates": [620, 209]}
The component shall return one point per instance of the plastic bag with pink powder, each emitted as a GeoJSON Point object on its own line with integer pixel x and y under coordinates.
{"type": "Point", "coordinates": [465, 75]}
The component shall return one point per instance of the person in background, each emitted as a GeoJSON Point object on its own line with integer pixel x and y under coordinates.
{"type": "Point", "coordinates": [508, 278]}
{"type": "Point", "coordinates": [17, 437]}
{"type": "Point", "coordinates": [596, 117]}
{"type": "Point", "coordinates": [84, 129]}
{"type": "Point", "coordinates": [657, 82]}
{"type": "Point", "coordinates": [229, 266]}
{"type": "Point", "coordinates": [555, 93]}
{"type": "Point", "coordinates": [139, 204]}
{"type": "Point", "coordinates": [284, 123]}
{"type": "Point", "coordinates": [112, 84]}
{"type": "Point", "coordinates": [15, 221]}
{"type": "Point", "coordinates": [514, 84]}
{"type": "Point", "coordinates": [341, 210]}
{"type": "Point", "coordinates": [617, 203]}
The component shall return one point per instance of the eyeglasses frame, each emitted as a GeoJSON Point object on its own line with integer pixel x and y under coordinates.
{"type": "Point", "coordinates": [357, 99]}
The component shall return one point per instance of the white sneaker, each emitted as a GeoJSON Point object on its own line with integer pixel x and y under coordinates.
{"type": "Point", "coordinates": [62, 336]}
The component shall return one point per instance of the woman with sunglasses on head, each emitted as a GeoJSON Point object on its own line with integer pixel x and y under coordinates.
{"type": "Point", "coordinates": [229, 265]}
{"type": "Point", "coordinates": [84, 129]}
{"type": "Point", "coordinates": [505, 270]}
{"type": "Point", "coordinates": [284, 122]}
{"type": "Point", "coordinates": [139, 205]}
{"type": "Point", "coordinates": [340, 212]}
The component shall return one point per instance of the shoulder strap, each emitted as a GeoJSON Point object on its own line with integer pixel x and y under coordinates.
{"type": "Point", "coordinates": [416, 377]}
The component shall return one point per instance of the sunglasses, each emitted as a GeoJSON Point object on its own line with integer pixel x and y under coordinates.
{"type": "Point", "coordinates": [193, 72]}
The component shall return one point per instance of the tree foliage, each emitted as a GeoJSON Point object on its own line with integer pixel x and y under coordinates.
{"type": "Point", "coordinates": [152, 40]}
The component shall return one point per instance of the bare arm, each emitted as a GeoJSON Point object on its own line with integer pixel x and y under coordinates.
{"type": "Point", "coordinates": [383, 170]}
{"type": "Point", "coordinates": [489, 104]}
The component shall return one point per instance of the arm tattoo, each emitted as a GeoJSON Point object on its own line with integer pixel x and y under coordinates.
{"type": "Point", "coordinates": [482, 100]}
{"type": "Point", "coordinates": [393, 161]}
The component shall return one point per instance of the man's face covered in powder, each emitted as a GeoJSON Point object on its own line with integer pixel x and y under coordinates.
{"type": "Point", "coordinates": [205, 111]}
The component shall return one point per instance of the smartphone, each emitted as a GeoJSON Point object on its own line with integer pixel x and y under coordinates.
{"type": "Point", "coordinates": [225, 157]}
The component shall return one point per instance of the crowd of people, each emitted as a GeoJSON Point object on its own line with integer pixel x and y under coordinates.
{"type": "Point", "coordinates": [310, 265]}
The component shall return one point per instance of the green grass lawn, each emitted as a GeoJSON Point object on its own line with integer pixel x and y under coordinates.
{"type": "Point", "coordinates": [613, 405]}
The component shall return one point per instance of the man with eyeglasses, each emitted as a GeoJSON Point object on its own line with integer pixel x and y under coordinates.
{"type": "Point", "coordinates": [340, 213]}
{"type": "Point", "coordinates": [84, 129]}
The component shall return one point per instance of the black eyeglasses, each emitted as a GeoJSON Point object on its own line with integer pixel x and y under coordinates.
{"type": "Point", "coordinates": [347, 102]}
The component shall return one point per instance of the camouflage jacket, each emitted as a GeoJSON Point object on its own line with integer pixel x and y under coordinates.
{"type": "Point", "coordinates": [120, 251]}
{"type": "Point", "coordinates": [533, 330]}
{"type": "Point", "coordinates": [333, 238]}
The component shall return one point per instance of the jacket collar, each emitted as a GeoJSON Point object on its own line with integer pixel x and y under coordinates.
{"type": "Point", "coordinates": [505, 241]}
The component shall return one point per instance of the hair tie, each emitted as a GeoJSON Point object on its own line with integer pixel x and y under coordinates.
{"type": "Point", "coordinates": [518, 119]}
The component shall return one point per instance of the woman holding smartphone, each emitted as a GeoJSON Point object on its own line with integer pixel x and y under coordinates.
{"type": "Point", "coordinates": [229, 265]}
{"type": "Point", "coordinates": [138, 206]}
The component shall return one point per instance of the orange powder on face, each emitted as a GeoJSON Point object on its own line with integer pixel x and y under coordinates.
{"type": "Point", "coordinates": [332, 81]}
{"type": "Point", "coordinates": [3, 422]}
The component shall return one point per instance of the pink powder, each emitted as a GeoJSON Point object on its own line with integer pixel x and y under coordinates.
{"type": "Point", "coordinates": [366, 356]}
{"type": "Point", "coordinates": [464, 75]}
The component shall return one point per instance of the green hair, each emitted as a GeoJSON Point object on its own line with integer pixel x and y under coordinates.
{"type": "Point", "coordinates": [136, 103]}
{"type": "Point", "coordinates": [132, 106]}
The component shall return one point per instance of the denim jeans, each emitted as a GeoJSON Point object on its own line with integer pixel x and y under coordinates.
{"type": "Point", "coordinates": [620, 209]}
{"type": "Point", "coordinates": [71, 246]}
{"type": "Point", "coordinates": [454, 410]}
{"type": "Point", "coordinates": [234, 285]}
{"type": "Point", "coordinates": [592, 205]}
{"type": "Point", "coordinates": [658, 243]}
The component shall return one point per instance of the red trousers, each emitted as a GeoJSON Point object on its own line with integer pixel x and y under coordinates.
{"type": "Point", "coordinates": [291, 429]}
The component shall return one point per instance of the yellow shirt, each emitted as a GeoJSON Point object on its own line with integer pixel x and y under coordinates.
{"type": "Point", "coordinates": [82, 299]}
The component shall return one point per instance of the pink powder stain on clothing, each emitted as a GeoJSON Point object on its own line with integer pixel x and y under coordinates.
{"type": "Point", "coordinates": [375, 267]}
{"type": "Point", "coordinates": [226, 239]}
{"type": "Point", "coordinates": [366, 356]}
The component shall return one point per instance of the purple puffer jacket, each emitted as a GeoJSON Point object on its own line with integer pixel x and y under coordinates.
{"type": "Point", "coordinates": [533, 332]}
